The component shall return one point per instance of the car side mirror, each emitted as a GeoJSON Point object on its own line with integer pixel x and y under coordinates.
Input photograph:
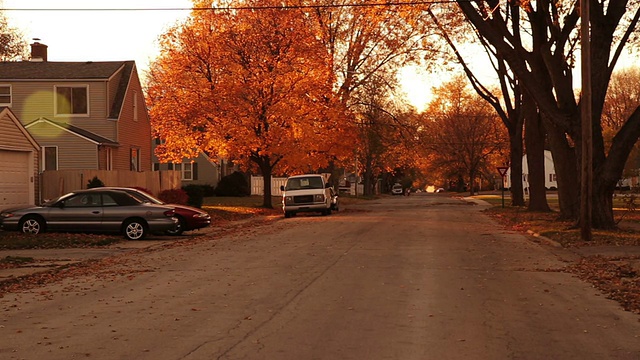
{"type": "Point", "coordinates": [281, 187]}
{"type": "Point", "coordinates": [60, 204]}
{"type": "Point", "coordinates": [327, 185]}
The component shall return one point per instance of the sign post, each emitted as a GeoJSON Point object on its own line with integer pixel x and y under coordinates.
{"type": "Point", "coordinates": [503, 172]}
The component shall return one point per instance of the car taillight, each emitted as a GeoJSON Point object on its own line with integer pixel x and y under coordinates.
{"type": "Point", "coordinates": [170, 213]}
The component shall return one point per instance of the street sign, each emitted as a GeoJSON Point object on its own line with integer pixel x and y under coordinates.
{"type": "Point", "coordinates": [503, 170]}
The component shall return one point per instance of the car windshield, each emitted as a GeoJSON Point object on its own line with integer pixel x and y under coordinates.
{"type": "Point", "coordinates": [314, 182]}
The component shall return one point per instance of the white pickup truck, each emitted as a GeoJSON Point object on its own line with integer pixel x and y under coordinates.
{"type": "Point", "coordinates": [303, 193]}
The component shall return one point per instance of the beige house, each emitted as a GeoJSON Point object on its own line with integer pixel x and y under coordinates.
{"type": "Point", "coordinates": [19, 156]}
{"type": "Point", "coordinates": [84, 115]}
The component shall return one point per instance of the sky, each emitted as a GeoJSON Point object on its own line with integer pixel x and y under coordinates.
{"type": "Point", "coordinates": [126, 35]}
{"type": "Point", "coordinates": [96, 35]}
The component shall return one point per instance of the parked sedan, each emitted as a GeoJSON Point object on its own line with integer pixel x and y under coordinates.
{"type": "Point", "coordinates": [189, 218]}
{"type": "Point", "coordinates": [92, 211]}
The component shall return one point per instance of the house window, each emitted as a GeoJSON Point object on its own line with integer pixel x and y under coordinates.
{"type": "Point", "coordinates": [156, 167]}
{"type": "Point", "coordinates": [187, 171]}
{"type": "Point", "coordinates": [72, 100]}
{"type": "Point", "coordinates": [109, 153]}
{"type": "Point", "coordinates": [5, 95]}
{"type": "Point", "coordinates": [135, 159]}
{"type": "Point", "coordinates": [135, 106]}
{"type": "Point", "coordinates": [552, 177]}
{"type": "Point", "coordinates": [50, 158]}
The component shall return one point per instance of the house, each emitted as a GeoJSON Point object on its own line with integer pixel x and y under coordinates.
{"type": "Point", "coordinates": [19, 156]}
{"type": "Point", "coordinates": [550, 182]}
{"type": "Point", "coordinates": [84, 115]}
{"type": "Point", "coordinates": [201, 170]}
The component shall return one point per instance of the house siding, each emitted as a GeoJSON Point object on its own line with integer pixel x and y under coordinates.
{"type": "Point", "coordinates": [33, 100]}
{"type": "Point", "coordinates": [74, 152]}
{"type": "Point", "coordinates": [133, 133]}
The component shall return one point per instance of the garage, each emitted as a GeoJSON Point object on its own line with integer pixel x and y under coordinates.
{"type": "Point", "coordinates": [18, 162]}
{"type": "Point", "coordinates": [14, 178]}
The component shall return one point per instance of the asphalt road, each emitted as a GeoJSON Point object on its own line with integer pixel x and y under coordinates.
{"type": "Point", "coordinates": [418, 277]}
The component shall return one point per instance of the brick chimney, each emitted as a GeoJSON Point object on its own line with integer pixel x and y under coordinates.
{"type": "Point", "coordinates": [38, 51]}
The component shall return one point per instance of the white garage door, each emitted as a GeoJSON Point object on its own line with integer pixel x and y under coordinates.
{"type": "Point", "coordinates": [14, 178]}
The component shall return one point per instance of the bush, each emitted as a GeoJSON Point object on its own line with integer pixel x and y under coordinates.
{"type": "Point", "coordinates": [195, 194]}
{"type": "Point", "coordinates": [207, 190]}
{"type": "Point", "coordinates": [233, 185]}
{"type": "Point", "coordinates": [95, 183]}
{"type": "Point", "coordinates": [174, 196]}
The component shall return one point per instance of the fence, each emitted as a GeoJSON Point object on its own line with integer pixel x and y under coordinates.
{"type": "Point", "coordinates": [257, 185]}
{"type": "Point", "coordinates": [58, 182]}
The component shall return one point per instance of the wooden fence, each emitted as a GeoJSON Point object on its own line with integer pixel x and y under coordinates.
{"type": "Point", "coordinates": [257, 185]}
{"type": "Point", "coordinates": [59, 182]}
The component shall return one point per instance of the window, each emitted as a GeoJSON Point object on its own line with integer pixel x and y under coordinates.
{"type": "Point", "coordinates": [552, 177]}
{"type": "Point", "coordinates": [187, 171]}
{"type": "Point", "coordinates": [109, 153]}
{"type": "Point", "coordinates": [50, 158]}
{"type": "Point", "coordinates": [135, 106]}
{"type": "Point", "coordinates": [135, 159]}
{"type": "Point", "coordinates": [5, 95]}
{"type": "Point", "coordinates": [156, 167]}
{"type": "Point", "coordinates": [72, 100]}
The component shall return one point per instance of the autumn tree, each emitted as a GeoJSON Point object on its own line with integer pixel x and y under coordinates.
{"type": "Point", "coordinates": [506, 96]}
{"type": "Point", "coordinates": [461, 132]}
{"type": "Point", "coordinates": [541, 56]}
{"type": "Point", "coordinates": [368, 43]}
{"type": "Point", "coordinates": [252, 84]}
{"type": "Point", "coordinates": [623, 97]}
{"type": "Point", "coordinates": [385, 131]}
{"type": "Point", "coordinates": [12, 45]}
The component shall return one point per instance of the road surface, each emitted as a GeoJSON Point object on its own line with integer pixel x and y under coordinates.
{"type": "Point", "coordinates": [418, 277]}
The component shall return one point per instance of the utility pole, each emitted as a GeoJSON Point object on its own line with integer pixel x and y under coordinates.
{"type": "Point", "coordinates": [586, 187]}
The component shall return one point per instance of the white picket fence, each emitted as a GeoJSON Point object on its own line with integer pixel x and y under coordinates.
{"type": "Point", "coordinates": [257, 185]}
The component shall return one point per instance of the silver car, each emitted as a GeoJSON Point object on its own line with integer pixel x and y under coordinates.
{"type": "Point", "coordinates": [108, 211]}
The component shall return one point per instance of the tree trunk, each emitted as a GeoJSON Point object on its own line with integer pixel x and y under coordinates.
{"type": "Point", "coordinates": [264, 163]}
{"type": "Point", "coordinates": [602, 205]}
{"type": "Point", "coordinates": [515, 144]}
{"type": "Point", "coordinates": [564, 161]}
{"type": "Point", "coordinates": [534, 140]}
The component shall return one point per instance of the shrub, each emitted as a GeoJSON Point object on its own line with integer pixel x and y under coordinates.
{"type": "Point", "coordinates": [174, 196]}
{"type": "Point", "coordinates": [95, 183]}
{"type": "Point", "coordinates": [233, 185]}
{"type": "Point", "coordinates": [207, 190]}
{"type": "Point", "coordinates": [195, 194]}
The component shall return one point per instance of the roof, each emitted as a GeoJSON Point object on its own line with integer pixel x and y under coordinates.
{"type": "Point", "coordinates": [100, 140]}
{"type": "Point", "coordinates": [52, 70]}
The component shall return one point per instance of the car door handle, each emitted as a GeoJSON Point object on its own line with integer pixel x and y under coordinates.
{"type": "Point", "coordinates": [95, 212]}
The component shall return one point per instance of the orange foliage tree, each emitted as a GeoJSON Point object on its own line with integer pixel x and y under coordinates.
{"type": "Point", "coordinates": [253, 84]}
{"type": "Point", "coordinates": [462, 135]}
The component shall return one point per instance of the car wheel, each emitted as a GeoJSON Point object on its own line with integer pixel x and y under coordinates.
{"type": "Point", "coordinates": [179, 228]}
{"type": "Point", "coordinates": [32, 225]}
{"type": "Point", "coordinates": [288, 214]}
{"type": "Point", "coordinates": [135, 230]}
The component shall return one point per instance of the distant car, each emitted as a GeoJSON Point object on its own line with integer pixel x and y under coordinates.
{"type": "Point", "coordinates": [397, 189]}
{"type": "Point", "coordinates": [103, 210]}
{"type": "Point", "coordinates": [189, 218]}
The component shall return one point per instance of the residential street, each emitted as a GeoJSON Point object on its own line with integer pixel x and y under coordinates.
{"type": "Point", "coordinates": [419, 277]}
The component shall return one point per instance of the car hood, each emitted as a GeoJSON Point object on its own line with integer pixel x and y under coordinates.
{"type": "Point", "coordinates": [22, 208]}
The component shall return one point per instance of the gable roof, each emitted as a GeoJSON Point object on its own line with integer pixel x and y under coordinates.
{"type": "Point", "coordinates": [51, 70]}
{"type": "Point", "coordinates": [87, 135]}
{"type": "Point", "coordinates": [6, 112]}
